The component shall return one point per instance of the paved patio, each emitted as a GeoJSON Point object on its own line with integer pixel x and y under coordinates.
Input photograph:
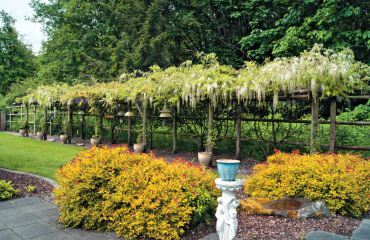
{"type": "Point", "coordinates": [36, 219]}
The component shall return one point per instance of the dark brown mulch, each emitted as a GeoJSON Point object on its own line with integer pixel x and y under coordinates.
{"type": "Point", "coordinates": [276, 228]}
{"type": "Point", "coordinates": [279, 228]}
{"type": "Point", "coordinates": [21, 181]}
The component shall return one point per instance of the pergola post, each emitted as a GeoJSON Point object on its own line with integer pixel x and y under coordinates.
{"type": "Point", "coordinates": [314, 124]}
{"type": "Point", "coordinates": [238, 125]}
{"type": "Point", "coordinates": [174, 133]}
{"type": "Point", "coordinates": [333, 114]}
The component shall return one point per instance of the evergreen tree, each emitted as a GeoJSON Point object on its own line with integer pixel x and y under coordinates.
{"type": "Point", "coordinates": [16, 60]}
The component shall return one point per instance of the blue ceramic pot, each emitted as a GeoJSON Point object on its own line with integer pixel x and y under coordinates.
{"type": "Point", "coordinates": [228, 169]}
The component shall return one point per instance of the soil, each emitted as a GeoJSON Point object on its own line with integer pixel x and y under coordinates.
{"type": "Point", "coordinates": [43, 189]}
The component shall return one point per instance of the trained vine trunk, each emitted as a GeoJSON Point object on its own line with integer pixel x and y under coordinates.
{"type": "Point", "coordinates": [27, 120]}
{"type": "Point", "coordinates": [314, 124]}
{"type": "Point", "coordinates": [70, 123]}
{"type": "Point", "coordinates": [174, 133]}
{"type": "Point", "coordinates": [333, 113]}
{"type": "Point", "coordinates": [209, 147]}
{"type": "Point", "coordinates": [145, 120]}
{"type": "Point", "coordinates": [83, 126]}
{"type": "Point", "coordinates": [238, 125]}
{"type": "Point", "coordinates": [129, 131]}
{"type": "Point", "coordinates": [45, 137]}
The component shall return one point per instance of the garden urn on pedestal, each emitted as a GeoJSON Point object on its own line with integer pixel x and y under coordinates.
{"type": "Point", "coordinates": [226, 214]}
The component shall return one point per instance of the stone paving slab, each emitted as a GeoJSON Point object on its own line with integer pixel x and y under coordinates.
{"type": "Point", "coordinates": [36, 219]}
{"type": "Point", "coordinates": [321, 235]}
{"type": "Point", "coordinates": [363, 231]}
{"type": "Point", "coordinates": [8, 234]}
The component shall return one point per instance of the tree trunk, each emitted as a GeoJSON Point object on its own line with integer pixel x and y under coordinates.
{"type": "Point", "coordinates": [333, 113]}
{"type": "Point", "coordinates": [314, 124]}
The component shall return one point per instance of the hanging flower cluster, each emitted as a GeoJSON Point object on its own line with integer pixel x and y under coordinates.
{"type": "Point", "coordinates": [319, 70]}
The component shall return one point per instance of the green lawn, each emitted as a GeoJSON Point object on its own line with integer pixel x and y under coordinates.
{"type": "Point", "coordinates": [32, 156]}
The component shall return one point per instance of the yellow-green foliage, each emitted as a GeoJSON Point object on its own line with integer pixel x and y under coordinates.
{"type": "Point", "coordinates": [7, 190]}
{"type": "Point", "coordinates": [135, 195]}
{"type": "Point", "coordinates": [342, 180]}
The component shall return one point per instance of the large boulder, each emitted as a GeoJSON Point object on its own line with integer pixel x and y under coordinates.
{"type": "Point", "coordinates": [287, 207]}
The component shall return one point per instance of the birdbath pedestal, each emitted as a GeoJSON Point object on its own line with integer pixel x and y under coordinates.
{"type": "Point", "coordinates": [226, 214]}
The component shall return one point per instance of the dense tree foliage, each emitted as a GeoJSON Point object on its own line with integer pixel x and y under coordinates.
{"type": "Point", "coordinates": [285, 28]}
{"type": "Point", "coordinates": [16, 59]}
{"type": "Point", "coordinates": [100, 40]}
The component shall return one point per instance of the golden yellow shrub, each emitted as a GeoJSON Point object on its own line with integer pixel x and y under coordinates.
{"type": "Point", "coordinates": [135, 195]}
{"type": "Point", "coordinates": [342, 180]}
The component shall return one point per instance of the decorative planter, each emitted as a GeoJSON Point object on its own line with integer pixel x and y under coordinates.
{"type": "Point", "coordinates": [94, 141]}
{"type": "Point", "coordinates": [139, 147]}
{"type": "Point", "coordinates": [205, 158]}
{"type": "Point", "coordinates": [228, 169]}
{"type": "Point", "coordinates": [40, 135]}
{"type": "Point", "coordinates": [22, 132]}
{"type": "Point", "coordinates": [64, 138]}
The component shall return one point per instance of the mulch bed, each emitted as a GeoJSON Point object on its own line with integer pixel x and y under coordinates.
{"type": "Point", "coordinates": [279, 228]}
{"type": "Point", "coordinates": [21, 181]}
{"type": "Point", "coordinates": [273, 227]}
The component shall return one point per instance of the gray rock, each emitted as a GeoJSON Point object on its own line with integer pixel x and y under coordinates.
{"type": "Point", "coordinates": [313, 209]}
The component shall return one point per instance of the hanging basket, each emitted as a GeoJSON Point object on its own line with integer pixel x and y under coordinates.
{"type": "Point", "coordinates": [165, 113]}
{"type": "Point", "coordinates": [120, 114]}
{"type": "Point", "coordinates": [129, 114]}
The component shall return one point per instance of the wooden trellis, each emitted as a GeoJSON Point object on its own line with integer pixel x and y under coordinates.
{"type": "Point", "coordinates": [23, 112]}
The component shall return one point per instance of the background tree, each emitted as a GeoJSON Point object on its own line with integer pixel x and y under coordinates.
{"type": "Point", "coordinates": [16, 59]}
{"type": "Point", "coordinates": [100, 40]}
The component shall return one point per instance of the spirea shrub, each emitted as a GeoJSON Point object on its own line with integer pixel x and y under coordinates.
{"type": "Point", "coordinates": [341, 180]}
{"type": "Point", "coordinates": [138, 196]}
{"type": "Point", "coordinates": [7, 190]}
